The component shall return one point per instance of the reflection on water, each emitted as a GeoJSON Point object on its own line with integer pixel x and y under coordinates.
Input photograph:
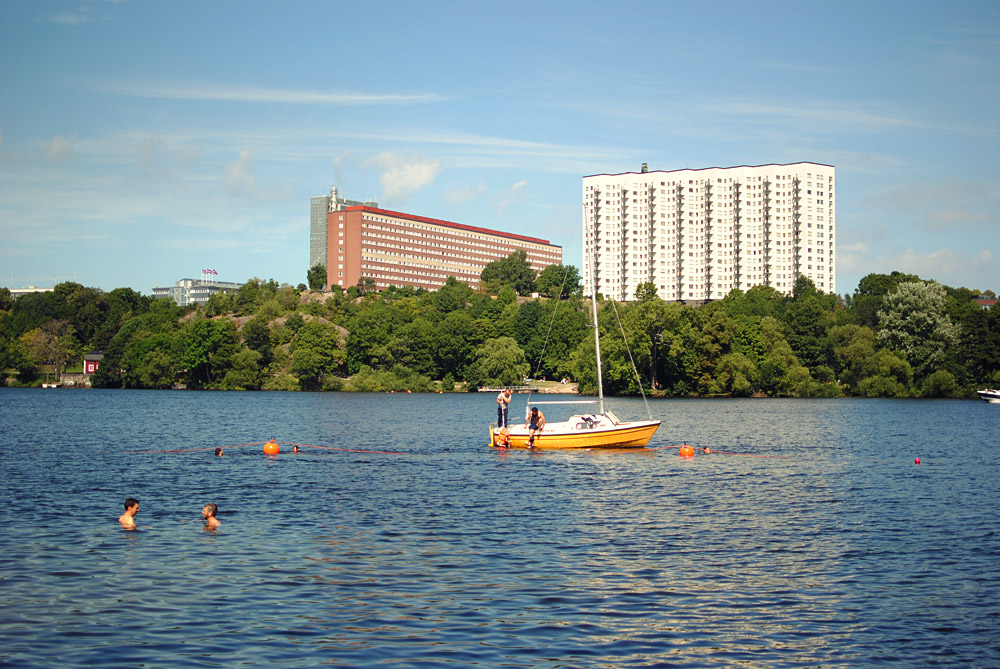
{"type": "Point", "coordinates": [818, 543]}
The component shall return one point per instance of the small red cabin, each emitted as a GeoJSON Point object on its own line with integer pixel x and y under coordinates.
{"type": "Point", "coordinates": [92, 360]}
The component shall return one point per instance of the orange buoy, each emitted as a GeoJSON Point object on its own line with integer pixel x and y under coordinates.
{"type": "Point", "coordinates": [686, 451]}
{"type": "Point", "coordinates": [272, 448]}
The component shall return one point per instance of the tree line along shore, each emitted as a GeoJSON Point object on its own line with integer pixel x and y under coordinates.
{"type": "Point", "coordinates": [897, 335]}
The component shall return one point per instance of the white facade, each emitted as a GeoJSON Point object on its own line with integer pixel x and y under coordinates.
{"type": "Point", "coordinates": [193, 291]}
{"type": "Point", "coordinates": [697, 234]}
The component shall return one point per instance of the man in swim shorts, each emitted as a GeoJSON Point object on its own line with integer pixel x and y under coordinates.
{"type": "Point", "coordinates": [208, 513]}
{"type": "Point", "coordinates": [503, 405]}
{"type": "Point", "coordinates": [127, 519]}
{"type": "Point", "coordinates": [535, 423]}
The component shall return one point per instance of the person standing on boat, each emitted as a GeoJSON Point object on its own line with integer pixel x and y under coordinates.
{"type": "Point", "coordinates": [535, 423]}
{"type": "Point", "coordinates": [503, 404]}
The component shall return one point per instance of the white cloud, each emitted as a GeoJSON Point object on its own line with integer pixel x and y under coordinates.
{"type": "Point", "coordinates": [510, 196]}
{"type": "Point", "coordinates": [464, 194]}
{"type": "Point", "coordinates": [148, 149]}
{"type": "Point", "coordinates": [60, 148]}
{"type": "Point", "coordinates": [945, 204]}
{"type": "Point", "coordinates": [240, 178]}
{"type": "Point", "coordinates": [403, 175]}
{"type": "Point", "coordinates": [154, 152]}
{"type": "Point", "coordinates": [946, 266]}
{"type": "Point", "coordinates": [72, 18]}
{"type": "Point", "coordinates": [216, 92]}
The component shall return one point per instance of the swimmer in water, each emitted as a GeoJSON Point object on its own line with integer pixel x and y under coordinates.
{"type": "Point", "coordinates": [208, 513]}
{"type": "Point", "coordinates": [127, 519]}
{"type": "Point", "coordinates": [218, 452]}
{"type": "Point", "coordinates": [295, 449]}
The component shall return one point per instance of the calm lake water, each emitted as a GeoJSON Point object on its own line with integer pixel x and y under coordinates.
{"type": "Point", "coordinates": [813, 540]}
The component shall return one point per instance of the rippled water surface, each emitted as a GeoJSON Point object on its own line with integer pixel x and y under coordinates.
{"type": "Point", "coordinates": [810, 538]}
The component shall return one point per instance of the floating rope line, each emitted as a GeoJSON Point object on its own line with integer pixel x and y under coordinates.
{"type": "Point", "coordinates": [712, 451]}
{"type": "Point", "coordinates": [346, 450]}
{"type": "Point", "coordinates": [189, 450]}
{"type": "Point", "coordinates": [261, 443]}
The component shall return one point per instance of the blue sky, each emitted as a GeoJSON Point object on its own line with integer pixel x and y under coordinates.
{"type": "Point", "coordinates": [141, 142]}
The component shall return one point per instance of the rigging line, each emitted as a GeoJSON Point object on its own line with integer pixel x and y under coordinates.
{"type": "Point", "coordinates": [629, 351]}
{"type": "Point", "coordinates": [545, 344]}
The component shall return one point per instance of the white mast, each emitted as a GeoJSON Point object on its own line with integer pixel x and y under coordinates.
{"type": "Point", "coordinates": [593, 298]}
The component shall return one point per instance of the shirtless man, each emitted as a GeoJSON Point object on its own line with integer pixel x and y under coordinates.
{"type": "Point", "coordinates": [208, 513]}
{"type": "Point", "coordinates": [535, 423]}
{"type": "Point", "coordinates": [127, 519]}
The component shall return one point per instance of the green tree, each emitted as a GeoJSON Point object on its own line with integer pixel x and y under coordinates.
{"type": "Point", "coordinates": [560, 281]}
{"type": "Point", "coordinates": [257, 337]}
{"type": "Point", "coordinates": [249, 297]}
{"type": "Point", "coordinates": [205, 349]}
{"type": "Point", "coordinates": [513, 271]}
{"type": "Point", "coordinates": [316, 355]}
{"type": "Point", "coordinates": [52, 344]}
{"type": "Point", "coordinates": [316, 277]}
{"type": "Point", "coordinates": [914, 322]}
{"type": "Point", "coordinates": [735, 375]}
{"type": "Point", "coordinates": [498, 362]}
{"type": "Point", "coordinates": [125, 357]}
{"type": "Point", "coordinates": [155, 370]}
{"type": "Point", "coordinates": [872, 289]}
{"type": "Point", "coordinates": [454, 343]}
{"type": "Point", "coordinates": [645, 292]}
{"type": "Point", "coordinates": [452, 296]}
{"type": "Point", "coordinates": [370, 333]}
{"type": "Point", "coordinates": [940, 384]}
{"type": "Point", "coordinates": [806, 326]}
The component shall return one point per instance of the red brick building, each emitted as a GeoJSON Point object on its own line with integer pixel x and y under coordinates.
{"type": "Point", "coordinates": [397, 249]}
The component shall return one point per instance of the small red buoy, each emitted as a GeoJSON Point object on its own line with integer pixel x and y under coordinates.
{"type": "Point", "coordinates": [272, 448]}
{"type": "Point", "coordinates": [686, 451]}
{"type": "Point", "coordinates": [917, 461]}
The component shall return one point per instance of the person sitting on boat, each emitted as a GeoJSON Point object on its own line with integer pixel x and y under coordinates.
{"type": "Point", "coordinates": [503, 404]}
{"type": "Point", "coordinates": [535, 423]}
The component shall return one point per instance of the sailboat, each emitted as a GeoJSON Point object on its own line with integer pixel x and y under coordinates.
{"type": "Point", "coordinates": [601, 430]}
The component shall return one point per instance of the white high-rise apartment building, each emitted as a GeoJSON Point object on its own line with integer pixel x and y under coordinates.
{"type": "Point", "coordinates": [697, 234]}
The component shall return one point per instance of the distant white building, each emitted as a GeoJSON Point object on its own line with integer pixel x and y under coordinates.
{"type": "Point", "coordinates": [194, 291]}
{"type": "Point", "coordinates": [698, 233]}
{"type": "Point", "coordinates": [19, 292]}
